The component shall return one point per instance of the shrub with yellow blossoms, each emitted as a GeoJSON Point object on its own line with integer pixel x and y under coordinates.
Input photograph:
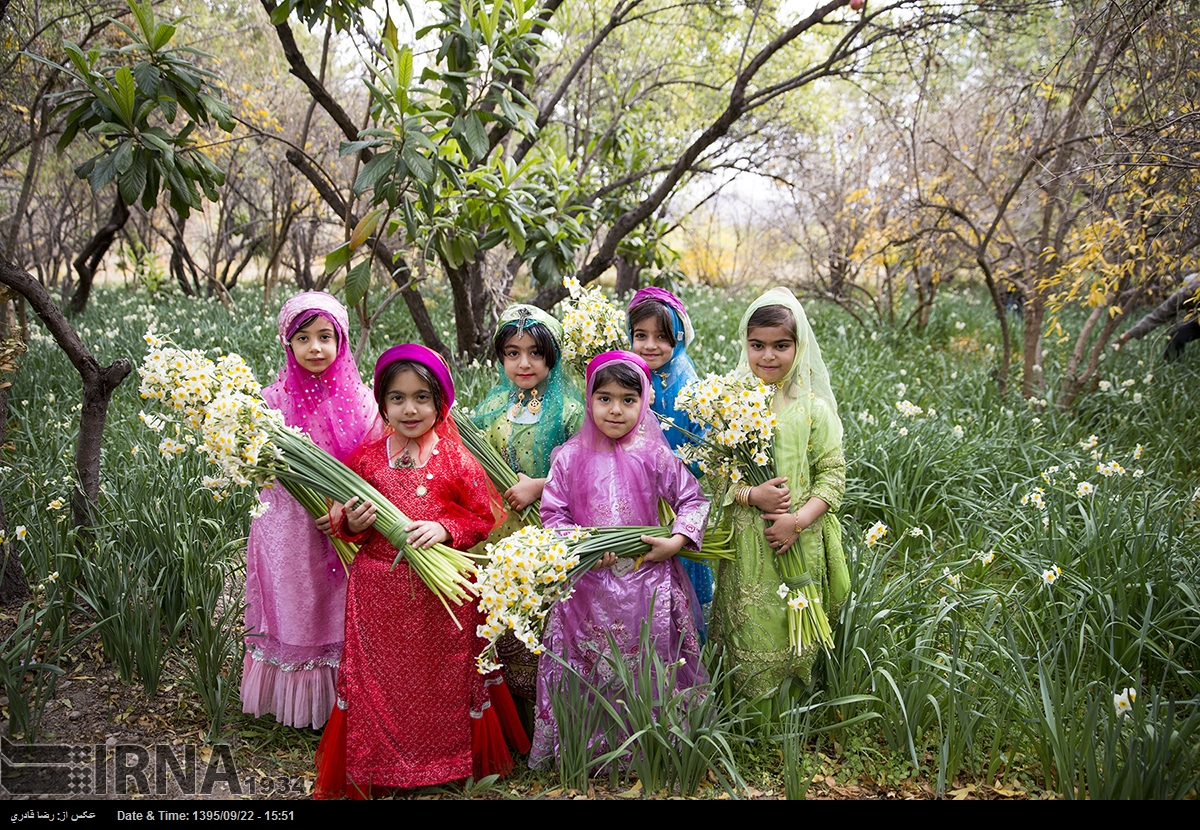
{"type": "Point", "coordinates": [591, 325]}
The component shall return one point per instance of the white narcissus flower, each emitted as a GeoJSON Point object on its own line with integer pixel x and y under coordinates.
{"type": "Point", "coordinates": [798, 602]}
{"type": "Point", "coordinates": [958, 431]}
{"type": "Point", "coordinates": [1123, 702]}
{"type": "Point", "coordinates": [783, 590]}
{"type": "Point", "coordinates": [1085, 488]}
{"type": "Point", "coordinates": [21, 532]}
{"type": "Point", "coordinates": [877, 532]}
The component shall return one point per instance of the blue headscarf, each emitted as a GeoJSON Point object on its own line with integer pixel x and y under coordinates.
{"type": "Point", "coordinates": [676, 372]}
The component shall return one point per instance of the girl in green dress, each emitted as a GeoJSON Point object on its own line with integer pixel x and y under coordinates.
{"type": "Point", "coordinates": [533, 409]}
{"type": "Point", "coordinates": [749, 618]}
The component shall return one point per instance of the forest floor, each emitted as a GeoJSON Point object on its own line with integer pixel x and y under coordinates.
{"type": "Point", "coordinates": [262, 759]}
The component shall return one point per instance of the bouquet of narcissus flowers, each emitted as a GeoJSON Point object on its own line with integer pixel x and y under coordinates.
{"type": "Point", "coordinates": [738, 446]}
{"type": "Point", "coordinates": [536, 567]}
{"type": "Point", "coordinates": [736, 408]}
{"type": "Point", "coordinates": [251, 446]}
{"type": "Point", "coordinates": [591, 325]}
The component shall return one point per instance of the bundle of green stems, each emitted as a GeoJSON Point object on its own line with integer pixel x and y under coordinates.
{"type": "Point", "coordinates": [495, 466]}
{"type": "Point", "coordinates": [447, 572]}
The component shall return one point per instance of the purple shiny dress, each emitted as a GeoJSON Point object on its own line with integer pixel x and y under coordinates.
{"type": "Point", "coordinates": [597, 482]}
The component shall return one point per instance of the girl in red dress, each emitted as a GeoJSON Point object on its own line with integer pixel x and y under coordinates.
{"type": "Point", "coordinates": [412, 710]}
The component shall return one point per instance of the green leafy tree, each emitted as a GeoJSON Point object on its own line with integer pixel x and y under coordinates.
{"type": "Point", "coordinates": [120, 94]}
{"type": "Point", "coordinates": [130, 100]}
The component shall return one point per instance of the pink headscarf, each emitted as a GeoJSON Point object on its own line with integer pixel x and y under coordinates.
{"type": "Point", "coordinates": [644, 439]}
{"type": "Point", "coordinates": [428, 358]}
{"type": "Point", "coordinates": [335, 408]}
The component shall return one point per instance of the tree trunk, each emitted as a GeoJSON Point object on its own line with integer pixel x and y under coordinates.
{"type": "Point", "coordinates": [628, 276]}
{"type": "Point", "coordinates": [92, 255]}
{"type": "Point", "coordinates": [99, 382]}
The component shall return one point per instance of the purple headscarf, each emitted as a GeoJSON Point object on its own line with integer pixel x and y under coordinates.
{"type": "Point", "coordinates": [428, 358]}
{"type": "Point", "coordinates": [335, 408]}
{"type": "Point", "coordinates": [672, 302]}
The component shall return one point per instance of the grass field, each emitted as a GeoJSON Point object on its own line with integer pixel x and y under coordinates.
{"type": "Point", "coordinates": [1037, 565]}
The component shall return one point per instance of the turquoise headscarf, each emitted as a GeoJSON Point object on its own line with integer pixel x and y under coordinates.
{"type": "Point", "coordinates": [551, 428]}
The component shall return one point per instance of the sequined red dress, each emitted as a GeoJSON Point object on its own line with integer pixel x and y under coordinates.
{"type": "Point", "coordinates": [412, 709]}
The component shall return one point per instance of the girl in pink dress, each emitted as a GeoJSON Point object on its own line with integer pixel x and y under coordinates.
{"type": "Point", "coordinates": [612, 474]}
{"type": "Point", "coordinates": [295, 585]}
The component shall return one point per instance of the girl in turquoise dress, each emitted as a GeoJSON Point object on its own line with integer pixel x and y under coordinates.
{"type": "Point", "coordinates": [533, 409]}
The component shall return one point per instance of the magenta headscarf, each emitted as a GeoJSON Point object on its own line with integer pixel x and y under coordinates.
{"type": "Point", "coordinates": [428, 358]}
{"type": "Point", "coordinates": [335, 408]}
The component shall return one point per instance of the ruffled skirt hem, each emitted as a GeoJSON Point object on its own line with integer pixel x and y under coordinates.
{"type": "Point", "coordinates": [299, 698]}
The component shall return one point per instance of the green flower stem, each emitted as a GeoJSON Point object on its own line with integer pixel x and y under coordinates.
{"type": "Point", "coordinates": [495, 466]}
{"type": "Point", "coordinates": [316, 507]}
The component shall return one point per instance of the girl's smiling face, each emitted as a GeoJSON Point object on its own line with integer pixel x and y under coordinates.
{"type": "Point", "coordinates": [315, 345]}
{"type": "Point", "coordinates": [409, 406]}
{"type": "Point", "coordinates": [524, 362]}
{"type": "Point", "coordinates": [651, 343]}
{"type": "Point", "coordinates": [772, 351]}
{"type": "Point", "coordinates": [615, 409]}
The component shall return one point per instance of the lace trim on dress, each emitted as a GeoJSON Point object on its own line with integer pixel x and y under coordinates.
{"type": "Point", "coordinates": [260, 656]}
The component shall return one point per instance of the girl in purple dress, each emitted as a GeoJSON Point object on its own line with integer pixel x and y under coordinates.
{"type": "Point", "coordinates": [612, 474]}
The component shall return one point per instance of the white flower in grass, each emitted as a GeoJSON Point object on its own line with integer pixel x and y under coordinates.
{"type": "Point", "coordinates": [951, 579]}
{"type": "Point", "coordinates": [916, 531]}
{"type": "Point", "coordinates": [1089, 443]}
{"type": "Point", "coordinates": [1123, 702]}
{"type": "Point", "coordinates": [1105, 386]}
{"type": "Point", "coordinates": [798, 602]}
{"type": "Point", "coordinates": [1137, 397]}
{"type": "Point", "coordinates": [1051, 575]}
{"type": "Point", "coordinates": [783, 590]}
{"type": "Point", "coordinates": [904, 430]}
{"type": "Point", "coordinates": [879, 530]}
{"type": "Point", "coordinates": [958, 431]}
{"type": "Point", "coordinates": [960, 325]}
{"type": "Point", "coordinates": [1085, 488]}
{"type": "Point", "coordinates": [21, 532]}
{"type": "Point", "coordinates": [55, 504]}
{"type": "Point", "coordinates": [1139, 472]}
{"type": "Point", "coordinates": [1129, 382]}
{"type": "Point", "coordinates": [987, 558]}
{"type": "Point", "coordinates": [1148, 379]}
{"type": "Point", "coordinates": [1137, 452]}
{"type": "Point", "coordinates": [53, 577]}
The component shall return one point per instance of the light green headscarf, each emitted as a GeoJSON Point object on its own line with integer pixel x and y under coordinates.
{"type": "Point", "coordinates": [808, 380]}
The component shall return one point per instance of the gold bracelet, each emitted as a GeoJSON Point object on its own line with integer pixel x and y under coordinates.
{"type": "Point", "coordinates": [742, 496]}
